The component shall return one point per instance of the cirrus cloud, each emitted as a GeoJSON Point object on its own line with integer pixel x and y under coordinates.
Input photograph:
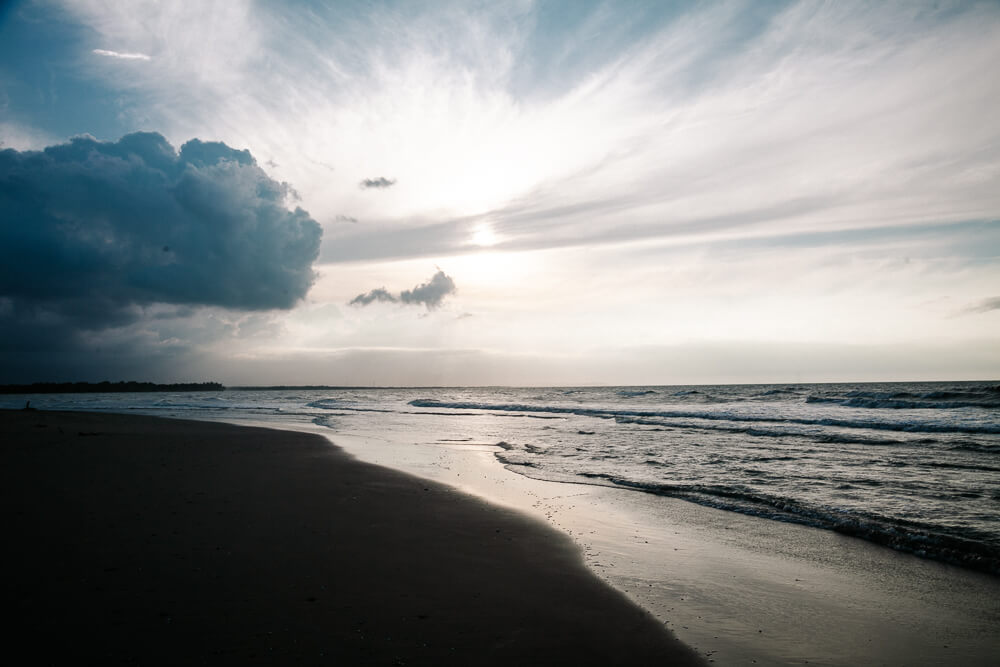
{"type": "Point", "coordinates": [121, 55]}
{"type": "Point", "coordinates": [985, 306]}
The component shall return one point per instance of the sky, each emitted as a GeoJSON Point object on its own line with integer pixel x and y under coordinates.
{"type": "Point", "coordinates": [514, 193]}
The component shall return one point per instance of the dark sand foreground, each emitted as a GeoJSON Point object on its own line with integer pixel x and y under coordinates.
{"type": "Point", "coordinates": [152, 541]}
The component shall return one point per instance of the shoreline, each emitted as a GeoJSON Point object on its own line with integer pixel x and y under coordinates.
{"type": "Point", "coordinates": [141, 539]}
{"type": "Point", "coordinates": [738, 589]}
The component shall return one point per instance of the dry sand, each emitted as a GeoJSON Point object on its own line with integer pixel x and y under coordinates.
{"type": "Point", "coordinates": [150, 541]}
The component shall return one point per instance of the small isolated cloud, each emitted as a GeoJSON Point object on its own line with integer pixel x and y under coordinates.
{"type": "Point", "coordinates": [380, 183]}
{"type": "Point", "coordinates": [985, 306]}
{"type": "Point", "coordinates": [430, 293]}
{"type": "Point", "coordinates": [377, 294]}
{"type": "Point", "coordinates": [122, 55]}
{"type": "Point", "coordinates": [346, 218]}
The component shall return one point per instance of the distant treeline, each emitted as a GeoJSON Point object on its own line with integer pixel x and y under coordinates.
{"type": "Point", "coordinates": [102, 387]}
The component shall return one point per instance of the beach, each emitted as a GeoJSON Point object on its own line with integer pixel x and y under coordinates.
{"type": "Point", "coordinates": [140, 540]}
{"type": "Point", "coordinates": [738, 589]}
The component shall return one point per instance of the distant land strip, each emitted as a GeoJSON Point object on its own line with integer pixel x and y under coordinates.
{"type": "Point", "coordinates": [104, 387]}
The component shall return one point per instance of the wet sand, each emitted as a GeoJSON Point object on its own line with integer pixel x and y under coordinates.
{"type": "Point", "coordinates": [140, 540]}
{"type": "Point", "coordinates": [740, 590]}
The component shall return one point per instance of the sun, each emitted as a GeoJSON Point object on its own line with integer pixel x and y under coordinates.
{"type": "Point", "coordinates": [484, 236]}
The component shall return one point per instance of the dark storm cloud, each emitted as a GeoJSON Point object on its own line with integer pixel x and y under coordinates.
{"type": "Point", "coordinates": [430, 293]}
{"type": "Point", "coordinates": [381, 183]}
{"type": "Point", "coordinates": [133, 222]}
{"type": "Point", "coordinates": [39, 346]}
{"type": "Point", "coordinates": [93, 235]}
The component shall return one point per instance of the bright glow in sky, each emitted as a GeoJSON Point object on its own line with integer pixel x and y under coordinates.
{"type": "Point", "coordinates": [660, 193]}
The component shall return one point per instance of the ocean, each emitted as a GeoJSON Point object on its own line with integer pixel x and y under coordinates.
{"type": "Point", "coordinates": [911, 466]}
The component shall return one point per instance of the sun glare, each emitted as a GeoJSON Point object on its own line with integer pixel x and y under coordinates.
{"type": "Point", "coordinates": [490, 270]}
{"type": "Point", "coordinates": [483, 236]}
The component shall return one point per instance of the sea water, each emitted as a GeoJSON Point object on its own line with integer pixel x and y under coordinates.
{"type": "Point", "coordinates": [911, 466]}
